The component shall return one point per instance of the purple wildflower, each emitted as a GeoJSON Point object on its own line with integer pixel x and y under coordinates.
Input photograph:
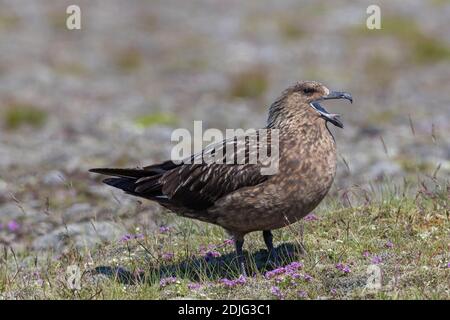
{"type": "Point", "coordinates": [129, 237]}
{"type": "Point", "coordinates": [311, 217]}
{"type": "Point", "coordinates": [276, 292]}
{"type": "Point", "coordinates": [448, 265]}
{"type": "Point", "coordinates": [333, 291]}
{"type": "Point", "coordinates": [233, 283]}
{"type": "Point", "coordinates": [376, 260]}
{"type": "Point", "coordinates": [164, 229]}
{"type": "Point", "coordinates": [228, 242]}
{"type": "Point", "coordinates": [194, 286]}
{"type": "Point", "coordinates": [295, 275]}
{"type": "Point", "coordinates": [167, 256]}
{"type": "Point", "coordinates": [294, 266]}
{"type": "Point", "coordinates": [389, 244]}
{"type": "Point", "coordinates": [227, 282]}
{"type": "Point", "coordinates": [342, 267]}
{"type": "Point", "coordinates": [275, 272]}
{"type": "Point", "coordinates": [302, 294]}
{"type": "Point", "coordinates": [166, 281]}
{"type": "Point", "coordinates": [366, 254]}
{"type": "Point", "coordinates": [13, 226]}
{"type": "Point", "coordinates": [126, 237]}
{"type": "Point", "coordinates": [307, 277]}
{"type": "Point", "coordinates": [211, 254]}
{"type": "Point", "coordinates": [241, 280]}
{"type": "Point", "coordinates": [290, 270]}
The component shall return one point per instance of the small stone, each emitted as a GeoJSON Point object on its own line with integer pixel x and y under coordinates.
{"type": "Point", "coordinates": [54, 178]}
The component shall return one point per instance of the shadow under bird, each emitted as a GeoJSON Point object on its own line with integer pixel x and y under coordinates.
{"type": "Point", "coordinates": [239, 197]}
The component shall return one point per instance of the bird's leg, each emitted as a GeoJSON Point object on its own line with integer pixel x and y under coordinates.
{"type": "Point", "coordinates": [239, 242]}
{"type": "Point", "coordinates": [268, 239]}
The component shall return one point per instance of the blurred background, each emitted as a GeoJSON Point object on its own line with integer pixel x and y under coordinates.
{"type": "Point", "coordinates": [111, 93]}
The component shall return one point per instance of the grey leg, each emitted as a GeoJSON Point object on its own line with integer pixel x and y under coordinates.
{"type": "Point", "coordinates": [268, 239]}
{"type": "Point", "coordinates": [240, 256]}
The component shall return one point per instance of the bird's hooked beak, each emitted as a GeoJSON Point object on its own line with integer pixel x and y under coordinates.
{"type": "Point", "coordinates": [332, 117]}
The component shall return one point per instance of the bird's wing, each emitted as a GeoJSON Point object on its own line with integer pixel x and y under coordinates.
{"type": "Point", "coordinates": [197, 185]}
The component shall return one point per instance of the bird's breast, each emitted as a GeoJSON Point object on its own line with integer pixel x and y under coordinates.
{"type": "Point", "coordinates": [307, 167]}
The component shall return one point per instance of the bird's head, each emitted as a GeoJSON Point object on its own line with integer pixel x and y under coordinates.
{"type": "Point", "coordinates": [304, 98]}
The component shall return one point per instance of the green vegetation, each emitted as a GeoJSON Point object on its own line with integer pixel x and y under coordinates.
{"type": "Point", "coordinates": [405, 237]}
{"type": "Point", "coordinates": [17, 115]}
{"type": "Point", "coordinates": [153, 119]}
{"type": "Point", "coordinates": [250, 84]}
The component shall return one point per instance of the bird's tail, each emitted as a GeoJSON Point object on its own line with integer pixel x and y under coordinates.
{"type": "Point", "coordinates": [125, 184]}
{"type": "Point", "coordinates": [132, 181]}
{"type": "Point", "coordinates": [123, 173]}
{"type": "Point", "coordinates": [124, 179]}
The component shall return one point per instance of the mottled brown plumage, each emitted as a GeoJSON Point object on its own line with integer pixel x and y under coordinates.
{"type": "Point", "coordinates": [239, 197]}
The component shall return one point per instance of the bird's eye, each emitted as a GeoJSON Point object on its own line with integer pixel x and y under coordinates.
{"type": "Point", "coordinates": [308, 90]}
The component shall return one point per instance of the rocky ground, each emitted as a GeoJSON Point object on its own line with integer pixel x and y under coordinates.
{"type": "Point", "coordinates": [111, 94]}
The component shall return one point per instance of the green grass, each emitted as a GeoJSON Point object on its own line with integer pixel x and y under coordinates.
{"type": "Point", "coordinates": [157, 118]}
{"type": "Point", "coordinates": [18, 115]}
{"type": "Point", "coordinates": [356, 236]}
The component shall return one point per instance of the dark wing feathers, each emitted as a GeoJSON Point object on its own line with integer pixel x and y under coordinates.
{"type": "Point", "coordinates": [124, 173]}
{"type": "Point", "coordinates": [126, 184]}
{"type": "Point", "coordinates": [201, 185]}
{"type": "Point", "coordinates": [193, 186]}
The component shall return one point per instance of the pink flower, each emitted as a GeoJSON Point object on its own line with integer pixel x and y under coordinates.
{"type": "Point", "coordinates": [342, 267]}
{"type": "Point", "coordinates": [290, 270]}
{"type": "Point", "coordinates": [129, 237]}
{"type": "Point", "coordinates": [233, 283]}
{"type": "Point", "coordinates": [366, 254]}
{"type": "Point", "coordinates": [294, 266]}
{"type": "Point", "coordinates": [13, 226]}
{"type": "Point", "coordinates": [166, 281]}
{"type": "Point", "coordinates": [311, 217]}
{"type": "Point", "coordinates": [275, 272]}
{"type": "Point", "coordinates": [307, 277]}
{"type": "Point", "coordinates": [389, 244]}
{"type": "Point", "coordinates": [376, 260]}
{"type": "Point", "coordinates": [164, 229]}
{"type": "Point", "coordinates": [211, 254]}
{"type": "Point", "coordinates": [228, 242]}
{"type": "Point", "coordinates": [194, 286]}
{"type": "Point", "coordinates": [276, 292]}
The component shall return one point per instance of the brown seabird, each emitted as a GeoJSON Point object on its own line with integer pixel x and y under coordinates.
{"type": "Point", "coordinates": [238, 196]}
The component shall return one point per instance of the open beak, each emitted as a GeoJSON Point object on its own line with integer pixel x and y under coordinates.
{"type": "Point", "coordinates": [331, 117]}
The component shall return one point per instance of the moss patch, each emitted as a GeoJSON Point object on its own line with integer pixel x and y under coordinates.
{"type": "Point", "coordinates": [153, 119]}
{"type": "Point", "coordinates": [18, 115]}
